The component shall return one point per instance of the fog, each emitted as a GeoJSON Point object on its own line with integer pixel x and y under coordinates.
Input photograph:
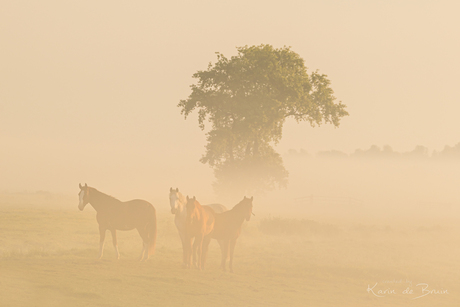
{"type": "Point", "coordinates": [90, 90]}
{"type": "Point", "coordinates": [377, 186]}
{"type": "Point", "coordinates": [89, 93]}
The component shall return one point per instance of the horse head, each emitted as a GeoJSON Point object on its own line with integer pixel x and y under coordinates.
{"type": "Point", "coordinates": [174, 199]}
{"type": "Point", "coordinates": [246, 207]}
{"type": "Point", "coordinates": [191, 207]}
{"type": "Point", "coordinates": [83, 196]}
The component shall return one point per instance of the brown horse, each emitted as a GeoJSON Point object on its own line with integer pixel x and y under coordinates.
{"type": "Point", "coordinates": [199, 223]}
{"type": "Point", "coordinates": [114, 215]}
{"type": "Point", "coordinates": [227, 227]}
{"type": "Point", "coordinates": [178, 202]}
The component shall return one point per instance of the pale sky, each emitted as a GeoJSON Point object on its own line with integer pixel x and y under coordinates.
{"type": "Point", "coordinates": [89, 89]}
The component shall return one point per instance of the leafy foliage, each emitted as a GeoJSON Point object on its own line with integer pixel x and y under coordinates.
{"type": "Point", "coordinates": [247, 99]}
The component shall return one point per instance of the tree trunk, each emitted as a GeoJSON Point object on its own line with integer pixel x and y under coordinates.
{"type": "Point", "coordinates": [248, 149]}
{"type": "Point", "coordinates": [230, 149]}
{"type": "Point", "coordinates": [255, 150]}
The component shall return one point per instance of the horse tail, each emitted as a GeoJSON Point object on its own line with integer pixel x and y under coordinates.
{"type": "Point", "coordinates": [152, 231]}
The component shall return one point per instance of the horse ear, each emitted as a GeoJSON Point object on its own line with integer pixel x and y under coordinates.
{"type": "Point", "coordinates": [80, 186]}
{"type": "Point", "coordinates": [244, 197]}
{"type": "Point", "coordinates": [177, 189]}
{"type": "Point", "coordinates": [252, 197]}
{"type": "Point", "coordinates": [86, 185]}
{"type": "Point", "coordinates": [170, 189]}
{"type": "Point", "coordinates": [194, 198]}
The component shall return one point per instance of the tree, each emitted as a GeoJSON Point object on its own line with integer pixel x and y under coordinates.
{"type": "Point", "coordinates": [247, 99]}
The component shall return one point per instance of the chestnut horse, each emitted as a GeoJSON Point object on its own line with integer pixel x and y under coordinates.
{"type": "Point", "coordinates": [199, 223]}
{"type": "Point", "coordinates": [227, 227]}
{"type": "Point", "coordinates": [114, 215]}
{"type": "Point", "coordinates": [177, 203]}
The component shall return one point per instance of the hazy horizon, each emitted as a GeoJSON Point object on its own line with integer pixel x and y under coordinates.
{"type": "Point", "coordinates": [90, 90]}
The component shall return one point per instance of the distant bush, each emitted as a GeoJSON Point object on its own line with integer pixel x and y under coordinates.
{"type": "Point", "coordinates": [284, 226]}
{"type": "Point", "coordinates": [331, 154]}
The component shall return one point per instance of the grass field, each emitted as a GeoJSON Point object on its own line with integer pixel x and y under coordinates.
{"type": "Point", "coordinates": [48, 258]}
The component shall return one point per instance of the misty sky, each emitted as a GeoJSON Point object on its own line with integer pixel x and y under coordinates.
{"type": "Point", "coordinates": [89, 89]}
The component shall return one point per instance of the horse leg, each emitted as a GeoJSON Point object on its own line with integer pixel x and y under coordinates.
{"type": "Point", "coordinates": [199, 248]}
{"type": "Point", "coordinates": [188, 251]}
{"type": "Point", "coordinates": [101, 240]}
{"type": "Point", "coordinates": [204, 252]}
{"type": "Point", "coordinates": [225, 248]}
{"type": "Point", "coordinates": [115, 243]}
{"type": "Point", "coordinates": [194, 251]}
{"type": "Point", "coordinates": [221, 245]}
{"type": "Point", "coordinates": [145, 246]}
{"type": "Point", "coordinates": [184, 249]}
{"type": "Point", "coordinates": [232, 249]}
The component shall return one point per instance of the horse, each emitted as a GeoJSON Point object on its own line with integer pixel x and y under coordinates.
{"type": "Point", "coordinates": [177, 202]}
{"type": "Point", "coordinates": [199, 222]}
{"type": "Point", "coordinates": [227, 227]}
{"type": "Point", "coordinates": [113, 215]}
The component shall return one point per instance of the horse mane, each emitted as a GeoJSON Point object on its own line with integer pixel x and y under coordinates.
{"type": "Point", "coordinates": [102, 197]}
{"type": "Point", "coordinates": [182, 198]}
{"type": "Point", "coordinates": [198, 203]}
{"type": "Point", "coordinates": [240, 205]}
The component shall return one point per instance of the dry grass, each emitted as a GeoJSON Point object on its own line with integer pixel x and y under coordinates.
{"type": "Point", "coordinates": [47, 258]}
{"type": "Point", "coordinates": [291, 226]}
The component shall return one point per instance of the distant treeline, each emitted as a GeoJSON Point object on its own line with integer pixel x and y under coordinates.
{"type": "Point", "coordinates": [386, 151]}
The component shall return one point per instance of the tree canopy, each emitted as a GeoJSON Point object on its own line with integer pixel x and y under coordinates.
{"type": "Point", "coordinates": [247, 99]}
